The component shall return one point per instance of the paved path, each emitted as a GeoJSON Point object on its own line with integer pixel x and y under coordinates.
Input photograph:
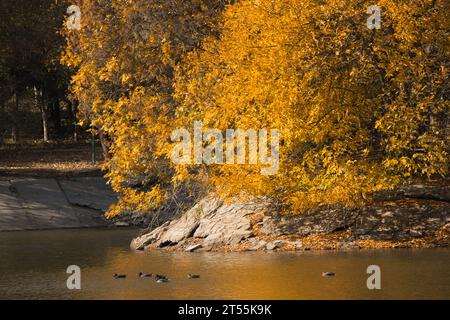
{"type": "Point", "coordinates": [34, 204]}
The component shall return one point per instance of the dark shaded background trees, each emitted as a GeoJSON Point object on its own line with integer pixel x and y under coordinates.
{"type": "Point", "coordinates": [33, 83]}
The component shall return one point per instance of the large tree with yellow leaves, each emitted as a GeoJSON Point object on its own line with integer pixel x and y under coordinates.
{"type": "Point", "coordinates": [358, 110]}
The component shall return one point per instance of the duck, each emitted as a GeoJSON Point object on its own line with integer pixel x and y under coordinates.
{"type": "Point", "coordinates": [193, 276]}
{"type": "Point", "coordinates": [161, 278]}
{"type": "Point", "coordinates": [145, 275]}
{"type": "Point", "coordinates": [119, 276]}
{"type": "Point", "coordinates": [328, 274]}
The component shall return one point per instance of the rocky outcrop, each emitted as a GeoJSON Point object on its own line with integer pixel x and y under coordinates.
{"type": "Point", "coordinates": [399, 220]}
{"type": "Point", "coordinates": [326, 219]}
{"type": "Point", "coordinates": [211, 221]}
{"type": "Point", "coordinates": [406, 214]}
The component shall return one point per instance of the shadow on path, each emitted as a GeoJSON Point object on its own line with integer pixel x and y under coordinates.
{"type": "Point", "coordinates": [54, 203]}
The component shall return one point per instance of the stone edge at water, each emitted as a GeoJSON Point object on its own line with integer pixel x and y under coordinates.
{"type": "Point", "coordinates": [415, 216]}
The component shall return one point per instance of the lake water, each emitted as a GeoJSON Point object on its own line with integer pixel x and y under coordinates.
{"type": "Point", "coordinates": [33, 266]}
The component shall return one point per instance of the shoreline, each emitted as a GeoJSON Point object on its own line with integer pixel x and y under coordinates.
{"type": "Point", "coordinates": [412, 217]}
{"type": "Point", "coordinates": [335, 242]}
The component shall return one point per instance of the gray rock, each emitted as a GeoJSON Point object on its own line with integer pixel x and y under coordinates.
{"type": "Point", "coordinates": [405, 220]}
{"type": "Point", "coordinates": [298, 245]}
{"type": "Point", "coordinates": [256, 244]}
{"type": "Point", "coordinates": [325, 219]}
{"type": "Point", "coordinates": [415, 233]}
{"type": "Point", "coordinates": [272, 245]}
{"type": "Point", "coordinates": [185, 226]}
{"type": "Point", "coordinates": [205, 248]}
{"type": "Point", "coordinates": [121, 224]}
{"type": "Point", "coordinates": [400, 220]}
{"type": "Point", "coordinates": [229, 224]}
{"type": "Point", "coordinates": [344, 245]}
{"type": "Point", "coordinates": [193, 248]}
{"type": "Point", "coordinates": [141, 242]}
{"type": "Point", "coordinates": [211, 220]}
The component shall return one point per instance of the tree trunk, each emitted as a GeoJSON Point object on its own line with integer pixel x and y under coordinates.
{"type": "Point", "coordinates": [104, 143]}
{"type": "Point", "coordinates": [39, 100]}
{"type": "Point", "coordinates": [15, 117]}
{"type": "Point", "coordinates": [44, 123]}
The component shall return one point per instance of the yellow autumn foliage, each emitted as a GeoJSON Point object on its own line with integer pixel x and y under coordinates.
{"type": "Point", "coordinates": [358, 110]}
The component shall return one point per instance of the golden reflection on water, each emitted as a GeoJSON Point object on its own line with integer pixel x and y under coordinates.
{"type": "Point", "coordinates": [32, 265]}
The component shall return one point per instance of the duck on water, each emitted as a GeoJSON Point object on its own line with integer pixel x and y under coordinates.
{"type": "Point", "coordinates": [161, 278]}
{"type": "Point", "coordinates": [145, 275]}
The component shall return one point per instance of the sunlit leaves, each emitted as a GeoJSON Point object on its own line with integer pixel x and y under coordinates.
{"type": "Point", "coordinates": [358, 110]}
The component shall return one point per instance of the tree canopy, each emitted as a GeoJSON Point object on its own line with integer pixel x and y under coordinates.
{"type": "Point", "coordinates": [358, 110]}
